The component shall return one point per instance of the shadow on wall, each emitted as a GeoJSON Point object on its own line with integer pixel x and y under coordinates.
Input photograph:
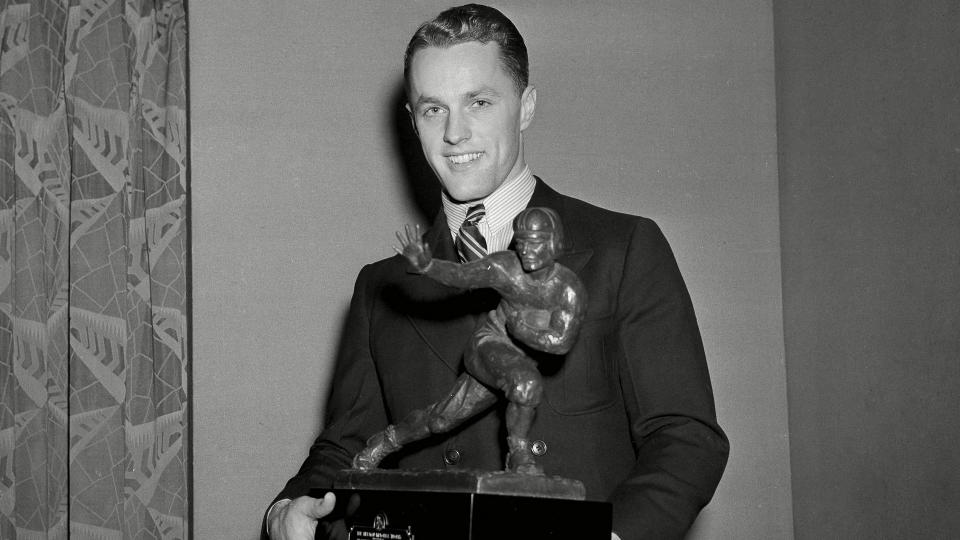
{"type": "Point", "coordinates": [420, 186]}
{"type": "Point", "coordinates": [419, 180]}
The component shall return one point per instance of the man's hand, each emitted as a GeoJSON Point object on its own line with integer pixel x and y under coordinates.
{"type": "Point", "coordinates": [414, 249]}
{"type": "Point", "coordinates": [297, 519]}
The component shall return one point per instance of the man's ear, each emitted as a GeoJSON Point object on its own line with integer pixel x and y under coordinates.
{"type": "Point", "coordinates": [413, 121]}
{"type": "Point", "coordinates": [528, 105]}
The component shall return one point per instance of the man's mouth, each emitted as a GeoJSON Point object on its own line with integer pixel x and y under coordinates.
{"type": "Point", "coordinates": [461, 159]}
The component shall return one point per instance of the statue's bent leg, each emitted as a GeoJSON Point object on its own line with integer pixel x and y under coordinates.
{"type": "Point", "coordinates": [501, 364]}
{"type": "Point", "coordinates": [467, 398]}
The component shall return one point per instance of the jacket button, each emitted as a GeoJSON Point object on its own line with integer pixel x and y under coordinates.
{"type": "Point", "coordinates": [538, 448]}
{"type": "Point", "coordinates": [451, 456]}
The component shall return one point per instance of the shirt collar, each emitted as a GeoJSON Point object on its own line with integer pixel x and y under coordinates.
{"type": "Point", "coordinates": [501, 206]}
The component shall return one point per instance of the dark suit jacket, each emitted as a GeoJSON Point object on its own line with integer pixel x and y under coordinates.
{"type": "Point", "coordinates": [629, 411]}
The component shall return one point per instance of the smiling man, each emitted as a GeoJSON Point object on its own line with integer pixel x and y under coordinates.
{"type": "Point", "coordinates": [628, 410]}
{"type": "Point", "coordinates": [470, 115]}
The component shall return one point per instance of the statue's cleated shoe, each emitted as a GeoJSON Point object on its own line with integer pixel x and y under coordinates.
{"type": "Point", "coordinates": [379, 446]}
{"type": "Point", "coordinates": [520, 459]}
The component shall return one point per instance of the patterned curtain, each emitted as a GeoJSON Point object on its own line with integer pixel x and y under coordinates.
{"type": "Point", "coordinates": [93, 270]}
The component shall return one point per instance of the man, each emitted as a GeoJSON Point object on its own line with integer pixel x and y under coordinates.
{"type": "Point", "coordinates": [629, 411]}
{"type": "Point", "coordinates": [542, 304]}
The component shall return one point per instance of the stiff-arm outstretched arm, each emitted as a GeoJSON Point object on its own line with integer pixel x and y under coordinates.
{"type": "Point", "coordinates": [485, 272]}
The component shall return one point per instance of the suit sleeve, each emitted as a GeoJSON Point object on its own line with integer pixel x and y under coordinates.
{"type": "Point", "coordinates": [681, 450]}
{"type": "Point", "coordinates": [355, 407]}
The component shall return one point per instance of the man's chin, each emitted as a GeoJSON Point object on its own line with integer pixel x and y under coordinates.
{"type": "Point", "coordinates": [464, 188]}
{"type": "Point", "coordinates": [467, 195]}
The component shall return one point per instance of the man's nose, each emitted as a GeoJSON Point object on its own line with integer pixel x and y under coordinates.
{"type": "Point", "coordinates": [456, 130]}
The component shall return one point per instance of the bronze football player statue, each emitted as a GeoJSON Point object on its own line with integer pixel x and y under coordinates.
{"type": "Point", "coordinates": [542, 306]}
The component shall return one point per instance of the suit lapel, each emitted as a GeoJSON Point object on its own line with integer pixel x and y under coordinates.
{"type": "Point", "coordinates": [443, 317]}
{"type": "Point", "coordinates": [576, 251]}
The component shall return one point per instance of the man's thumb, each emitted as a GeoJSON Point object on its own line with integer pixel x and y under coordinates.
{"type": "Point", "coordinates": [322, 507]}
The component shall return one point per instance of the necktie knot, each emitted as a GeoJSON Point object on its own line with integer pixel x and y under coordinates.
{"type": "Point", "coordinates": [470, 243]}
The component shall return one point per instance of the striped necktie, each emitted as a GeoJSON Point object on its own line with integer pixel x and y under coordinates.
{"type": "Point", "coordinates": [470, 243]}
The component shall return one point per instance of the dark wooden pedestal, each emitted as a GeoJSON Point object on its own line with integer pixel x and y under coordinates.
{"type": "Point", "coordinates": [467, 505]}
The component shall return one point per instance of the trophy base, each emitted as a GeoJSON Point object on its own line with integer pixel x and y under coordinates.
{"type": "Point", "coordinates": [468, 505]}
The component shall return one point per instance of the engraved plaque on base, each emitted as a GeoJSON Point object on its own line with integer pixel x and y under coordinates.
{"type": "Point", "coordinates": [468, 505]}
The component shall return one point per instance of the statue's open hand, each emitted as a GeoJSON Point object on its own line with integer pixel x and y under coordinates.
{"type": "Point", "coordinates": [414, 248]}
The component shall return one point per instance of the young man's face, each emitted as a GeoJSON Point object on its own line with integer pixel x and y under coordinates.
{"type": "Point", "coordinates": [469, 118]}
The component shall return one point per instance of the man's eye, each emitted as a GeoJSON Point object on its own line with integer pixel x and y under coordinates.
{"type": "Point", "coordinates": [432, 111]}
{"type": "Point", "coordinates": [481, 104]}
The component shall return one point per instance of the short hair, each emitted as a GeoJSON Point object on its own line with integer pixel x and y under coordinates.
{"type": "Point", "coordinates": [473, 22]}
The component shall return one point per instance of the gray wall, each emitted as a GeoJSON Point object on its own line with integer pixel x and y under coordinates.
{"type": "Point", "coordinates": [664, 109]}
{"type": "Point", "coordinates": [869, 133]}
